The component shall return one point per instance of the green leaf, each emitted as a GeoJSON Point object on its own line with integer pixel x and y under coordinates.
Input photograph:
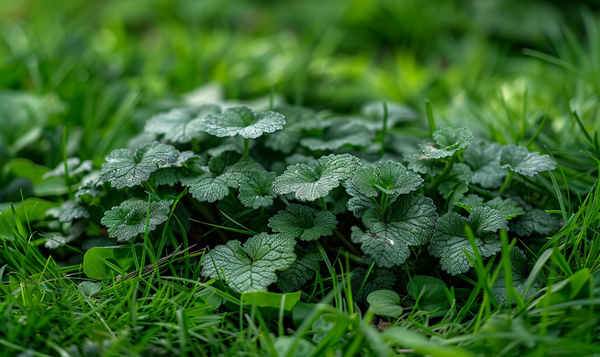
{"type": "Point", "coordinates": [90, 187]}
{"type": "Point", "coordinates": [243, 121]}
{"type": "Point", "coordinates": [385, 302]}
{"type": "Point", "coordinates": [124, 168]}
{"type": "Point", "coordinates": [211, 183]}
{"type": "Point", "coordinates": [433, 296]}
{"type": "Point", "coordinates": [270, 300]}
{"type": "Point", "coordinates": [449, 239]}
{"type": "Point", "coordinates": [257, 190]}
{"type": "Point", "coordinates": [72, 210]}
{"type": "Point", "coordinates": [459, 175]}
{"type": "Point", "coordinates": [122, 256]}
{"type": "Point", "coordinates": [508, 208]}
{"type": "Point", "coordinates": [170, 174]}
{"type": "Point", "coordinates": [250, 267]}
{"type": "Point", "coordinates": [180, 125]}
{"type": "Point", "coordinates": [309, 184]}
{"type": "Point", "coordinates": [129, 218]}
{"type": "Point", "coordinates": [345, 132]}
{"type": "Point", "coordinates": [420, 163]}
{"type": "Point", "coordinates": [388, 177]}
{"type": "Point", "coordinates": [524, 162]}
{"type": "Point", "coordinates": [535, 220]}
{"type": "Point", "coordinates": [89, 288]}
{"type": "Point", "coordinates": [520, 273]}
{"type": "Point", "coordinates": [75, 167]}
{"type": "Point", "coordinates": [297, 119]}
{"type": "Point", "coordinates": [379, 279]}
{"type": "Point", "coordinates": [358, 203]}
{"type": "Point", "coordinates": [298, 221]}
{"type": "Point", "coordinates": [301, 271]}
{"type": "Point", "coordinates": [409, 221]}
{"type": "Point", "coordinates": [446, 142]}
{"type": "Point", "coordinates": [75, 231]}
{"type": "Point", "coordinates": [484, 160]}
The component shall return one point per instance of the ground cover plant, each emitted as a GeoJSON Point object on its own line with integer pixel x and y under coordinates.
{"type": "Point", "coordinates": [277, 219]}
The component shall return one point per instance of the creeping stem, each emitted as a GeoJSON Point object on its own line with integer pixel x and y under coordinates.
{"type": "Point", "coordinates": [246, 148]}
{"type": "Point", "coordinates": [506, 182]}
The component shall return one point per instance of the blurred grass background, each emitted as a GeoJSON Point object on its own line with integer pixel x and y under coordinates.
{"type": "Point", "coordinates": [102, 68]}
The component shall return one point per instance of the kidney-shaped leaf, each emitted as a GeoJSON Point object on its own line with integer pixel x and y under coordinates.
{"type": "Point", "coordinates": [243, 121]}
{"type": "Point", "coordinates": [309, 183]}
{"type": "Point", "coordinates": [298, 221]}
{"type": "Point", "coordinates": [388, 177]}
{"type": "Point", "coordinates": [450, 239]}
{"type": "Point", "coordinates": [94, 265]}
{"type": "Point", "coordinates": [125, 168]}
{"type": "Point", "coordinates": [446, 142]}
{"type": "Point", "coordinates": [385, 302]}
{"type": "Point", "coordinates": [257, 190]}
{"type": "Point", "coordinates": [129, 218]}
{"type": "Point", "coordinates": [484, 160]}
{"type": "Point", "coordinates": [524, 162]}
{"type": "Point", "coordinates": [180, 125]}
{"type": "Point", "coordinates": [250, 267]}
{"type": "Point", "coordinates": [410, 221]}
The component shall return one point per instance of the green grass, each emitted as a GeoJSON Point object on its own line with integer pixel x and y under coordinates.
{"type": "Point", "coordinates": [89, 76]}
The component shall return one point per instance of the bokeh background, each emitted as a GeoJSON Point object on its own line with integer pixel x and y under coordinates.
{"type": "Point", "coordinates": [102, 68]}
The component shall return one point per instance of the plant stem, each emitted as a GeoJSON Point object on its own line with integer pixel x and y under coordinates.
{"type": "Point", "coordinates": [506, 182]}
{"type": "Point", "coordinates": [352, 249]}
{"type": "Point", "coordinates": [246, 148]}
{"type": "Point", "coordinates": [323, 203]}
{"type": "Point", "coordinates": [384, 202]}
{"type": "Point", "coordinates": [430, 117]}
{"type": "Point", "coordinates": [441, 177]}
{"type": "Point", "coordinates": [384, 129]}
{"type": "Point", "coordinates": [64, 149]}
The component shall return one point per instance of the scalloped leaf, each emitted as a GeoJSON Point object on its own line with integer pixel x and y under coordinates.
{"type": "Point", "coordinates": [257, 190]}
{"type": "Point", "coordinates": [298, 221]}
{"type": "Point", "coordinates": [309, 184]}
{"type": "Point", "coordinates": [180, 125]}
{"type": "Point", "coordinates": [535, 220]}
{"type": "Point", "coordinates": [446, 142]}
{"type": "Point", "coordinates": [387, 177]}
{"type": "Point", "coordinates": [129, 218]}
{"type": "Point", "coordinates": [301, 271]}
{"type": "Point", "coordinates": [71, 210]}
{"type": "Point", "coordinates": [252, 266]}
{"type": "Point", "coordinates": [449, 239]}
{"type": "Point", "coordinates": [524, 162]}
{"type": "Point", "coordinates": [420, 163]}
{"type": "Point", "coordinates": [297, 119]}
{"type": "Point", "coordinates": [409, 221]}
{"type": "Point", "coordinates": [125, 168]}
{"type": "Point", "coordinates": [484, 160]}
{"type": "Point", "coordinates": [243, 121]}
{"type": "Point", "coordinates": [75, 167]}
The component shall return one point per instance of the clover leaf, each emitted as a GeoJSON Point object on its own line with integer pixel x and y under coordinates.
{"type": "Point", "coordinates": [419, 162]}
{"type": "Point", "coordinates": [484, 160]}
{"type": "Point", "coordinates": [353, 133]}
{"type": "Point", "coordinates": [257, 190]}
{"type": "Point", "coordinates": [309, 183]}
{"type": "Point", "coordinates": [450, 239]}
{"type": "Point", "coordinates": [211, 183]}
{"type": "Point", "coordinates": [535, 220]}
{"type": "Point", "coordinates": [301, 271]}
{"type": "Point", "coordinates": [446, 142]}
{"type": "Point", "coordinates": [297, 119]}
{"type": "Point", "coordinates": [524, 162]}
{"type": "Point", "coordinates": [243, 121]}
{"type": "Point", "coordinates": [129, 218]}
{"type": "Point", "coordinates": [298, 221]}
{"type": "Point", "coordinates": [508, 208]}
{"type": "Point", "coordinates": [409, 221]}
{"type": "Point", "coordinates": [125, 168]}
{"type": "Point", "coordinates": [180, 125]}
{"type": "Point", "coordinates": [520, 274]}
{"type": "Point", "coordinates": [388, 177]}
{"type": "Point", "coordinates": [252, 266]}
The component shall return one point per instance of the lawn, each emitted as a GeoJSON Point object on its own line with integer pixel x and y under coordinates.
{"type": "Point", "coordinates": [299, 178]}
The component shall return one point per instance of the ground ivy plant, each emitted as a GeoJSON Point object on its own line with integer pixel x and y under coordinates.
{"type": "Point", "coordinates": [275, 195]}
